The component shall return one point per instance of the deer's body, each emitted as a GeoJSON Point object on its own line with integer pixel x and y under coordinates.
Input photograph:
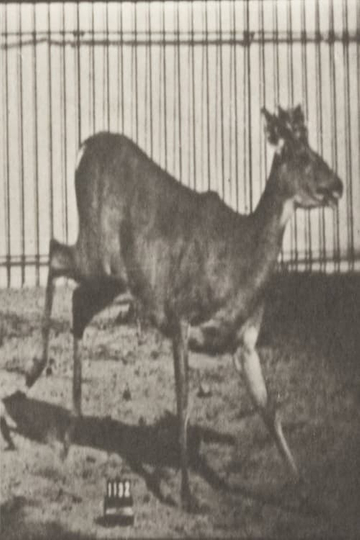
{"type": "Point", "coordinates": [198, 269]}
{"type": "Point", "coordinates": [183, 253]}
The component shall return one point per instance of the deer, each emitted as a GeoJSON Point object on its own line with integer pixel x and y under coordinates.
{"type": "Point", "coordinates": [198, 269]}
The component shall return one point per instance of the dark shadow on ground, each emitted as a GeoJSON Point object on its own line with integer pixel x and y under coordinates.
{"type": "Point", "coordinates": [139, 445]}
{"type": "Point", "coordinates": [152, 444]}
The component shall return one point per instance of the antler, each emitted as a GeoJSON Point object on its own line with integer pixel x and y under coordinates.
{"type": "Point", "coordinates": [293, 120]}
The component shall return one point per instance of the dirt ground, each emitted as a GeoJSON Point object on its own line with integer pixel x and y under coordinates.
{"type": "Point", "coordinates": [310, 347]}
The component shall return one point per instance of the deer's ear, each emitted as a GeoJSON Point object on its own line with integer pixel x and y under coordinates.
{"type": "Point", "coordinates": [271, 127]}
{"type": "Point", "coordinates": [299, 117]}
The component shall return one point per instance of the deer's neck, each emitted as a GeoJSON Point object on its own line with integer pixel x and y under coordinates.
{"type": "Point", "coordinates": [259, 244]}
{"type": "Point", "coordinates": [269, 221]}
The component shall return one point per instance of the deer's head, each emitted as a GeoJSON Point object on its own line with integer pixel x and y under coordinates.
{"type": "Point", "coordinates": [302, 174]}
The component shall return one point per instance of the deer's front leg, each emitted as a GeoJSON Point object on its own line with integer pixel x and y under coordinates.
{"type": "Point", "coordinates": [38, 365]}
{"type": "Point", "coordinates": [88, 300]}
{"type": "Point", "coordinates": [251, 369]}
{"type": "Point", "coordinates": [180, 351]}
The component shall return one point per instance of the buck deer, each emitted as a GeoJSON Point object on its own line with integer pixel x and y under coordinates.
{"type": "Point", "coordinates": [199, 269]}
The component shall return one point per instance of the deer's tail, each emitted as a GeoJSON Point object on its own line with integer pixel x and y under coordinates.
{"type": "Point", "coordinates": [61, 259]}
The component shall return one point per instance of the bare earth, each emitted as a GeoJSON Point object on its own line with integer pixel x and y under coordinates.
{"type": "Point", "coordinates": [310, 347]}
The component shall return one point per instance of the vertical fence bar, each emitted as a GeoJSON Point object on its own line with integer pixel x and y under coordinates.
{"type": "Point", "coordinates": [36, 156]}
{"type": "Point", "coordinates": [349, 179]}
{"type": "Point", "coordinates": [151, 123]}
{"type": "Point", "coordinates": [275, 21]}
{"type": "Point", "coordinates": [136, 76]}
{"type": "Point", "coordinates": [319, 125]}
{"type": "Point", "coordinates": [193, 124]}
{"type": "Point", "coordinates": [50, 112]}
{"type": "Point", "coordinates": [104, 71]}
{"type": "Point", "coordinates": [290, 90]}
{"type": "Point", "coordinates": [78, 74]}
{"type": "Point", "coordinates": [334, 128]}
{"type": "Point", "coordinates": [222, 136]}
{"type": "Point", "coordinates": [305, 103]}
{"type": "Point", "coordinates": [276, 52]}
{"type": "Point", "coordinates": [91, 74]}
{"type": "Point", "coordinates": [290, 68]}
{"type": "Point", "coordinates": [203, 113]}
{"type": "Point", "coordinates": [21, 148]}
{"type": "Point", "coordinates": [146, 85]}
{"type": "Point", "coordinates": [161, 88]}
{"type": "Point", "coordinates": [189, 101]}
{"type": "Point", "coordinates": [179, 88]}
{"type": "Point", "coordinates": [263, 146]}
{"type": "Point", "coordinates": [121, 25]}
{"type": "Point", "coordinates": [176, 89]}
{"type": "Point", "coordinates": [107, 64]}
{"type": "Point", "coordinates": [63, 131]}
{"type": "Point", "coordinates": [231, 106]}
{"type": "Point", "coordinates": [358, 88]}
{"type": "Point", "coordinates": [245, 107]}
{"type": "Point", "coordinates": [207, 98]}
{"type": "Point", "coordinates": [248, 39]}
{"type": "Point", "coordinates": [236, 106]}
{"type": "Point", "coordinates": [7, 151]}
{"type": "Point", "coordinates": [216, 134]}
{"type": "Point", "coordinates": [92, 115]}
{"type": "Point", "coordinates": [163, 32]}
{"type": "Point", "coordinates": [93, 69]}
{"type": "Point", "coordinates": [118, 71]}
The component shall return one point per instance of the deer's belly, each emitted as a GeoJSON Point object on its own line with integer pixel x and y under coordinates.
{"type": "Point", "coordinates": [214, 337]}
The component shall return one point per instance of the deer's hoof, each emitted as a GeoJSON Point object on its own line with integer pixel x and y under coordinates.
{"type": "Point", "coordinates": [30, 379]}
{"type": "Point", "coordinates": [34, 372]}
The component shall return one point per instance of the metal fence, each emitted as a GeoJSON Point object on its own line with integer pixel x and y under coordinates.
{"type": "Point", "coordinates": [186, 81]}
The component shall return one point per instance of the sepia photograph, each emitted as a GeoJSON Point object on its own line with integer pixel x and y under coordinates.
{"type": "Point", "coordinates": [179, 269]}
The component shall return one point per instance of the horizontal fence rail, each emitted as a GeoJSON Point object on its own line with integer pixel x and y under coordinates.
{"type": "Point", "coordinates": [185, 80]}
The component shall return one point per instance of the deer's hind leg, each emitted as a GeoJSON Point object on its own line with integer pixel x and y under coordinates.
{"type": "Point", "coordinates": [249, 360]}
